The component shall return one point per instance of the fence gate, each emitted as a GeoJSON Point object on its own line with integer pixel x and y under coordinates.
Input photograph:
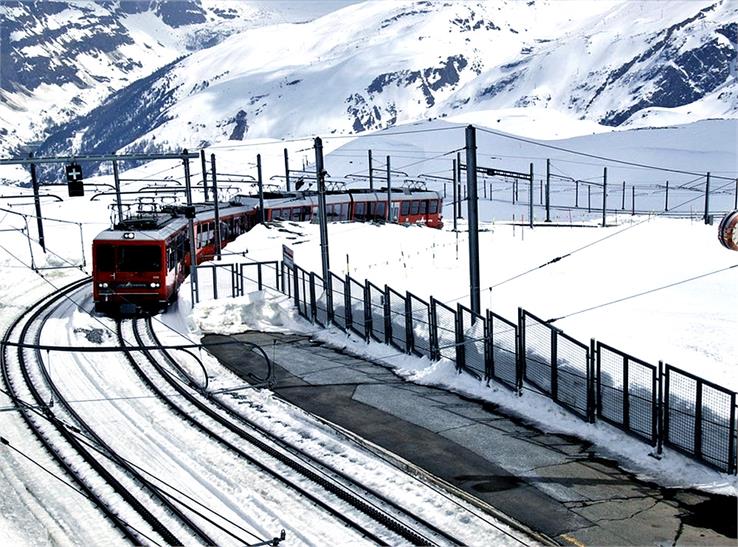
{"type": "Point", "coordinates": [397, 319]}
{"type": "Point", "coordinates": [356, 292]}
{"type": "Point", "coordinates": [419, 327]}
{"type": "Point", "coordinates": [473, 331]}
{"type": "Point", "coordinates": [376, 312]}
{"type": "Point", "coordinates": [444, 326]}
{"type": "Point", "coordinates": [699, 419]}
{"type": "Point", "coordinates": [502, 341]}
{"type": "Point", "coordinates": [627, 393]}
{"type": "Point", "coordinates": [557, 364]}
{"type": "Point", "coordinates": [338, 287]}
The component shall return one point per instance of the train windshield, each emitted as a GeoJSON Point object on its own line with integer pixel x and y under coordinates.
{"type": "Point", "coordinates": [133, 258]}
{"type": "Point", "coordinates": [139, 259]}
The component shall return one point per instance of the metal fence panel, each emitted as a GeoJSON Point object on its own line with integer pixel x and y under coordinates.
{"type": "Point", "coordinates": [445, 327]}
{"type": "Point", "coordinates": [503, 362]}
{"type": "Point", "coordinates": [376, 303]}
{"type": "Point", "coordinates": [537, 352]}
{"type": "Point", "coordinates": [288, 281]}
{"type": "Point", "coordinates": [572, 372]}
{"type": "Point", "coordinates": [338, 287]}
{"type": "Point", "coordinates": [420, 326]}
{"type": "Point", "coordinates": [358, 319]}
{"type": "Point", "coordinates": [473, 329]}
{"type": "Point", "coordinates": [699, 419]}
{"type": "Point", "coordinates": [319, 300]}
{"type": "Point", "coordinates": [627, 394]}
{"type": "Point", "coordinates": [302, 292]}
{"type": "Point", "coordinates": [398, 320]}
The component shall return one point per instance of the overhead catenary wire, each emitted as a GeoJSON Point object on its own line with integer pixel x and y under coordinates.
{"type": "Point", "coordinates": [643, 293]}
{"type": "Point", "coordinates": [596, 156]}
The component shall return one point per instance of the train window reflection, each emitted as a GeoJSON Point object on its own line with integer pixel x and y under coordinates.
{"type": "Point", "coordinates": [105, 258]}
{"type": "Point", "coordinates": [139, 259]}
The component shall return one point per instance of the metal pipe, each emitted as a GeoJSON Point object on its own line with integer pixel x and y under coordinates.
{"type": "Point", "coordinates": [471, 183]}
{"type": "Point", "coordinates": [116, 179]}
{"type": "Point", "coordinates": [37, 205]}
{"type": "Point", "coordinates": [262, 215]}
{"type": "Point", "coordinates": [218, 242]}
{"type": "Point", "coordinates": [191, 230]}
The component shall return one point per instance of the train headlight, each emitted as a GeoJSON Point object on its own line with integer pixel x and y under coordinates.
{"type": "Point", "coordinates": [154, 285]}
{"type": "Point", "coordinates": [103, 285]}
{"type": "Point", "coordinates": [129, 235]}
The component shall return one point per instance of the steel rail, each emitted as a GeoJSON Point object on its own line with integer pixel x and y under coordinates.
{"type": "Point", "coordinates": [131, 534]}
{"type": "Point", "coordinates": [308, 462]}
{"type": "Point", "coordinates": [282, 458]}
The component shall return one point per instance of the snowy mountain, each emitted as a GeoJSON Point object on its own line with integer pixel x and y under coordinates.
{"type": "Point", "coordinates": [377, 64]}
{"type": "Point", "coordinates": [61, 59]}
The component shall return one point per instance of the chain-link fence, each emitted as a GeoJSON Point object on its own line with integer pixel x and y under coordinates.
{"type": "Point", "coordinates": [594, 381]}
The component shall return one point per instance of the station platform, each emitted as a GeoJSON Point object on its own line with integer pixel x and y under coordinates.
{"type": "Point", "coordinates": [554, 485]}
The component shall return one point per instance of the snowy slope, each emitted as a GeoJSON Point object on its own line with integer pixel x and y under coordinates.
{"type": "Point", "coordinates": [61, 59]}
{"type": "Point", "coordinates": [379, 64]}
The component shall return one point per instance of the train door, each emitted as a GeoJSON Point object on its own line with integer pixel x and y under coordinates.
{"type": "Point", "coordinates": [395, 211]}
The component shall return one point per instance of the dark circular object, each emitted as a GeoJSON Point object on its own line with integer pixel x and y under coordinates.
{"type": "Point", "coordinates": [728, 231]}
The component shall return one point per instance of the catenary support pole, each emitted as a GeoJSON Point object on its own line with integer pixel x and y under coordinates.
{"type": "Point", "coordinates": [622, 207]}
{"type": "Point", "coordinates": [320, 174]}
{"type": "Point", "coordinates": [548, 190]}
{"type": "Point", "coordinates": [218, 240]}
{"type": "Point", "coordinates": [37, 205]}
{"type": "Point", "coordinates": [287, 169]}
{"type": "Point", "coordinates": [457, 211]}
{"type": "Point", "coordinates": [371, 171]}
{"type": "Point", "coordinates": [116, 182]}
{"type": "Point", "coordinates": [666, 199]}
{"type": "Point", "coordinates": [633, 200]}
{"type": "Point", "coordinates": [204, 174]}
{"type": "Point", "coordinates": [530, 198]}
{"type": "Point", "coordinates": [191, 230]}
{"type": "Point", "coordinates": [389, 192]}
{"type": "Point", "coordinates": [707, 199]}
{"type": "Point", "coordinates": [471, 205]}
{"type": "Point", "coordinates": [576, 194]}
{"type": "Point", "coordinates": [454, 189]}
{"type": "Point", "coordinates": [604, 197]}
{"type": "Point", "coordinates": [260, 182]}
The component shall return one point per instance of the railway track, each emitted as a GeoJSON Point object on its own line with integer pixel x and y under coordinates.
{"type": "Point", "coordinates": [382, 521]}
{"type": "Point", "coordinates": [143, 506]}
{"type": "Point", "coordinates": [119, 491]}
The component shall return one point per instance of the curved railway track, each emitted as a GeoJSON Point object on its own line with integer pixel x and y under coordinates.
{"type": "Point", "coordinates": [135, 501]}
{"type": "Point", "coordinates": [59, 430]}
{"type": "Point", "coordinates": [274, 456]}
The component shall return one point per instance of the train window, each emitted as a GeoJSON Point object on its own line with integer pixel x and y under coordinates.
{"type": "Point", "coordinates": [414, 207]}
{"type": "Point", "coordinates": [344, 211]}
{"type": "Point", "coordinates": [405, 208]}
{"type": "Point", "coordinates": [359, 210]}
{"type": "Point", "coordinates": [296, 214]}
{"type": "Point", "coordinates": [379, 211]}
{"type": "Point", "coordinates": [105, 258]}
{"type": "Point", "coordinates": [143, 258]}
{"type": "Point", "coordinates": [432, 207]}
{"type": "Point", "coordinates": [423, 207]}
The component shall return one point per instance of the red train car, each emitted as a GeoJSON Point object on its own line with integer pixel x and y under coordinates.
{"type": "Point", "coordinates": [140, 263]}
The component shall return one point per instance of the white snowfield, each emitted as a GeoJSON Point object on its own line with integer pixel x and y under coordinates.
{"type": "Point", "coordinates": [690, 325]}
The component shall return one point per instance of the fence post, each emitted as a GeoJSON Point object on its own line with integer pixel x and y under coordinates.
{"type": "Point", "coordinates": [633, 200]}
{"type": "Point", "coordinates": [259, 283]}
{"type": "Point", "coordinates": [554, 364]}
{"type": "Point", "coordinates": [409, 334]}
{"type": "Point", "coordinates": [576, 194]}
{"type": "Point", "coordinates": [520, 357]}
{"type": "Point", "coordinates": [460, 346]}
{"type": "Point", "coordinates": [604, 198]}
{"type": "Point", "coordinates": [433, 331]}
{"type": "Point", "coordinates": [488, 348]}
{"type": "Point", "coordinates": [347, 302]}
{"type": "Point", "coordinates": [623, 206]}
{"type": "Point", "coordinates": [296, 284]}
{"type": "Point", "coordinates": [666, 202]}
{"type": "Point", "coordinates": [594, 377]}
{"type": "Point", "coordinates": [313, 306]}
{"type": "Point", "coordinates": [367, 311]}
{"type": "Point", "coordinates": [663, 432]}
{"type": "Point", "coordinates": [329, 305]}
{"type": "Point", "coordinates": [387, 316]}
{"type": "Point", "coordinates": [731, 445]}
{"type": "Point", "coordinates": [626, 394]}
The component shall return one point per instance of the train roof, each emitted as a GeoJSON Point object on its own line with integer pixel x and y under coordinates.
{"type": "Point", "coordinates": [310, 197]}
{"type": "Point", "coordinates": [164, 223]}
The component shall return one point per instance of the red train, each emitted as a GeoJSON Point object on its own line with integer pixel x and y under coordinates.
{"type": "Point", "coordinates": [140, 263]}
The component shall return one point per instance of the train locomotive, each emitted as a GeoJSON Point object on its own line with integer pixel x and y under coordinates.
{"type": "Point", "coordinates": [142, 260]}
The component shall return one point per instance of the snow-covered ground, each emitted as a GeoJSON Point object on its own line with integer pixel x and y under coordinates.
{"type": "Point", "coordinates": [691, 325]}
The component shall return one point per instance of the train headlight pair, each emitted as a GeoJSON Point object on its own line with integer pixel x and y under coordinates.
{"type": "Point", "coordinates": [154, 285]}
{"type": "Point", "coordinates": [102, 285]}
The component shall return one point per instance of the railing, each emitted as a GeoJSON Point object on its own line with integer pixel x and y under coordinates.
{"type": "Point", "coordinates": [659, 405]}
